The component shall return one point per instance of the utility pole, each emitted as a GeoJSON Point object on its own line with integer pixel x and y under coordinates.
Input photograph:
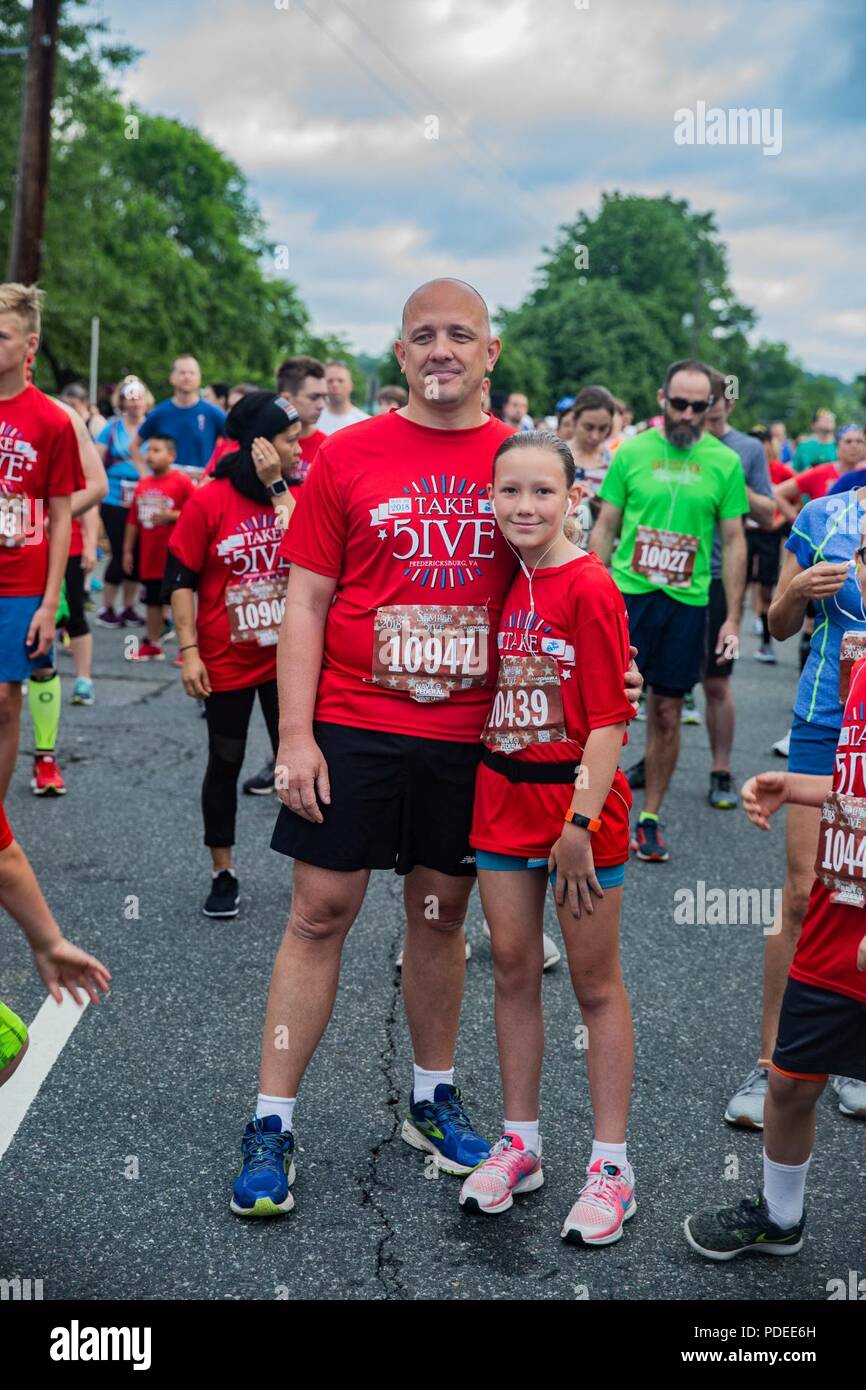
{"type": "Point", "coordinates": [25, 247]}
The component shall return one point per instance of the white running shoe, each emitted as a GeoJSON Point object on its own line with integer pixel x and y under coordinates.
{"type": "Point", "coordinates": [746, 1106]}
{"type": "Point", "coordinates": [852, 1096]}
{"type": "Point", "coordinates": [780, 748]}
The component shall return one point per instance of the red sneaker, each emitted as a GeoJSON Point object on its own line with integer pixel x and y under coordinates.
{"type": "Point", "coordinates": [147, 651]}
{"type": "Point", "coordinates": [47, 779]}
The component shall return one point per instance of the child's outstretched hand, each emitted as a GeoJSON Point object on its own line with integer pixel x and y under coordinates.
{"type": "Point", "coordinates": [763, 795]}
{"type": "Point", "coordinates": [571, 857]}
{"type": "Point", "coordinates": [67, 965]}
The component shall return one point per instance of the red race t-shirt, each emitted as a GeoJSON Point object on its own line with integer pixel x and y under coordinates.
{"type": "Point", "coordinates": [398, 514]}
{"type": "Point", "coordinates": [309, 448]}
{"type": "Point", "coordinates": [38, 460]}
{"type": "Point", "coordinates": [233, 544]}
{"type": "Point", "coordinates": [561, 675]}
{"type": "Point", "coordinates": [816, 482]}
{"type": "Point", "coordinates": [826, 954]}
{"type": "Point", "coordinates": [169, 492]}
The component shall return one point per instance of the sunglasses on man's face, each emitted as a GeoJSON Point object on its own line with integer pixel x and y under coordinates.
{"type": "Point", "coordinates": [860, 555]}
{"type": "Point", "coordinates": [680, 403]}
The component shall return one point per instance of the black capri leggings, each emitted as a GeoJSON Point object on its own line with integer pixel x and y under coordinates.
{"type": "Point", "coordinates": [228, 719]}
{"type": "Point", "coordinates": [114, 521]}
{"type": "Point", "coordinates": [76, 623]}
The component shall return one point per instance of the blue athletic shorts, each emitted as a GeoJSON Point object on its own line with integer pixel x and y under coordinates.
{"type": "Point", "coordinates": [812, 748]}
{"type": "Point", "coordinates": [609, 876]}
{"type": "Point", "coordinates": [670, 637]}
{"type": "Point", "coordinates": [15, 617]}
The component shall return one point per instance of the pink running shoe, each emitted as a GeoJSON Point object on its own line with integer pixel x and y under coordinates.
{"type": "Point", "coordinates": [605, 1202]}
{"type": "Point", "coordinates": [510, 1168]}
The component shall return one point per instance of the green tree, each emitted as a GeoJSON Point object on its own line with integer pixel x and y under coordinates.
{"type": "Point", "coordinates": [148, 226]}
{"type": "Point", "coordinates": [623, 293]}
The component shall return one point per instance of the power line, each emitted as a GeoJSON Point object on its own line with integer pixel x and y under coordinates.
{"type": "Point", "coordinates": [493, 154]}
{"type": "Point", "coordinates": [479, 172]}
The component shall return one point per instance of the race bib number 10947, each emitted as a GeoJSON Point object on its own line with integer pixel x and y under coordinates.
{"type": "Point", "coordinates": [430, 652]}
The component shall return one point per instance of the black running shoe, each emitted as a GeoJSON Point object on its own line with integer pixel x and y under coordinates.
{"type": "Point", "coordinates": [721, 794]}
{"type": "Point", "coordinates": [223, 898]}
{"type": "Point", "coordinates": [730, 1231]}
{"type": "Point", "coordinates": [636, 775]}
{"type": "Point", "coordinates": [262, 783]}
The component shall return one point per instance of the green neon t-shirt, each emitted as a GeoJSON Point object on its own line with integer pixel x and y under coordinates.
{"type": "Point", "coordinates": [669, 489]}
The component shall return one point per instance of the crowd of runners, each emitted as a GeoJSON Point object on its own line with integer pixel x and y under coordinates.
{"type": "Point", "coordinates": [449, 612]}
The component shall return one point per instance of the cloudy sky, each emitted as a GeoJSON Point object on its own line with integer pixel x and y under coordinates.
{"type": "Point", "coordinates": [541, 104]}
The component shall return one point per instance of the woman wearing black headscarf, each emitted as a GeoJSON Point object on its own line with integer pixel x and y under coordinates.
{"type": "Point", "coordinates": [224, 552]}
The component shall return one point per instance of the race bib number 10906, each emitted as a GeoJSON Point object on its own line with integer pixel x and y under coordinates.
{"type": "Point", "coordinates": [255, 610]}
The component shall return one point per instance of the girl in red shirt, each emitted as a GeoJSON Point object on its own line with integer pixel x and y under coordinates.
{"type": "Point", "coordinates": [228, 583]}
{"type": "Point", "coordinates": [550, 798]}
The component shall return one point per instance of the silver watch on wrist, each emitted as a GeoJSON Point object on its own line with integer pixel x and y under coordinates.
{"type": "Point", "coordinates": [278, 488]}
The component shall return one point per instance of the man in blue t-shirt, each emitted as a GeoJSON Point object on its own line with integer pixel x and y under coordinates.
{"type": "Point", "coordinates": [193, 423]}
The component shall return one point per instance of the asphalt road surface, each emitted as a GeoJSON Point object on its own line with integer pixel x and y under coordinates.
{"type": "Point", "coordinates": [160, 1079]}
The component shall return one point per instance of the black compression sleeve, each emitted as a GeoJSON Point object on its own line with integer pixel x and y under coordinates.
{"type": "Point", "coordinates": [177, 576]}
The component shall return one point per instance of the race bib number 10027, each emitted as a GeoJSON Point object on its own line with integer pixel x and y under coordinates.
{"type": "Point", "coordinates": [665, 557]}
{"type": "Point", "coordinates": [430, 652]}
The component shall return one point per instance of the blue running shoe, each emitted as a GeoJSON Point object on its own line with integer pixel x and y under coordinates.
{"type": "Point", "coordinates": [268, 1171]}
{"type": "Point", "coordinates": [442, 1127]}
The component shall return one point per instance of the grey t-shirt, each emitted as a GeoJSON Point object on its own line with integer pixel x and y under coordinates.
{"type": "Point", "coordinates": [757, 475]}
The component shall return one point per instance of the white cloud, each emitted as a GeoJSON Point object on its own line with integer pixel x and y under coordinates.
{"type": "Point", "coordinates": [330, 131]}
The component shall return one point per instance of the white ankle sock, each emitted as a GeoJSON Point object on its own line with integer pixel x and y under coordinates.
{"type": "Point", "coordinates": [784, 1190]}
{"type": "Point", "coordinates": [527, 1131]}
{"type": "Point", "coordinates": [612, 1153]}
{"type": "Point", "coordinates": [284, 1106]}
{"type": "Point", "coordinates": [427, 1081]}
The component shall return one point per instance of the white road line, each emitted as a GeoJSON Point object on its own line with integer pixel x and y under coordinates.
{"type": "Point", "coordinates": [49, 1032]}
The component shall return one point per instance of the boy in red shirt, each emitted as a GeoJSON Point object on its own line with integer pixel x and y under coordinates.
{"type": "Point", "coordinates": [822, 1025]}
{"type": "Point", "coordinates": [156, 505]}
{"type": "Point", "coordinates": [39, 471]}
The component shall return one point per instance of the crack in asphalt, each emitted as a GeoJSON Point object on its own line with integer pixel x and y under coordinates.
{"type": "Point", "coordinates": [388, 1264]}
